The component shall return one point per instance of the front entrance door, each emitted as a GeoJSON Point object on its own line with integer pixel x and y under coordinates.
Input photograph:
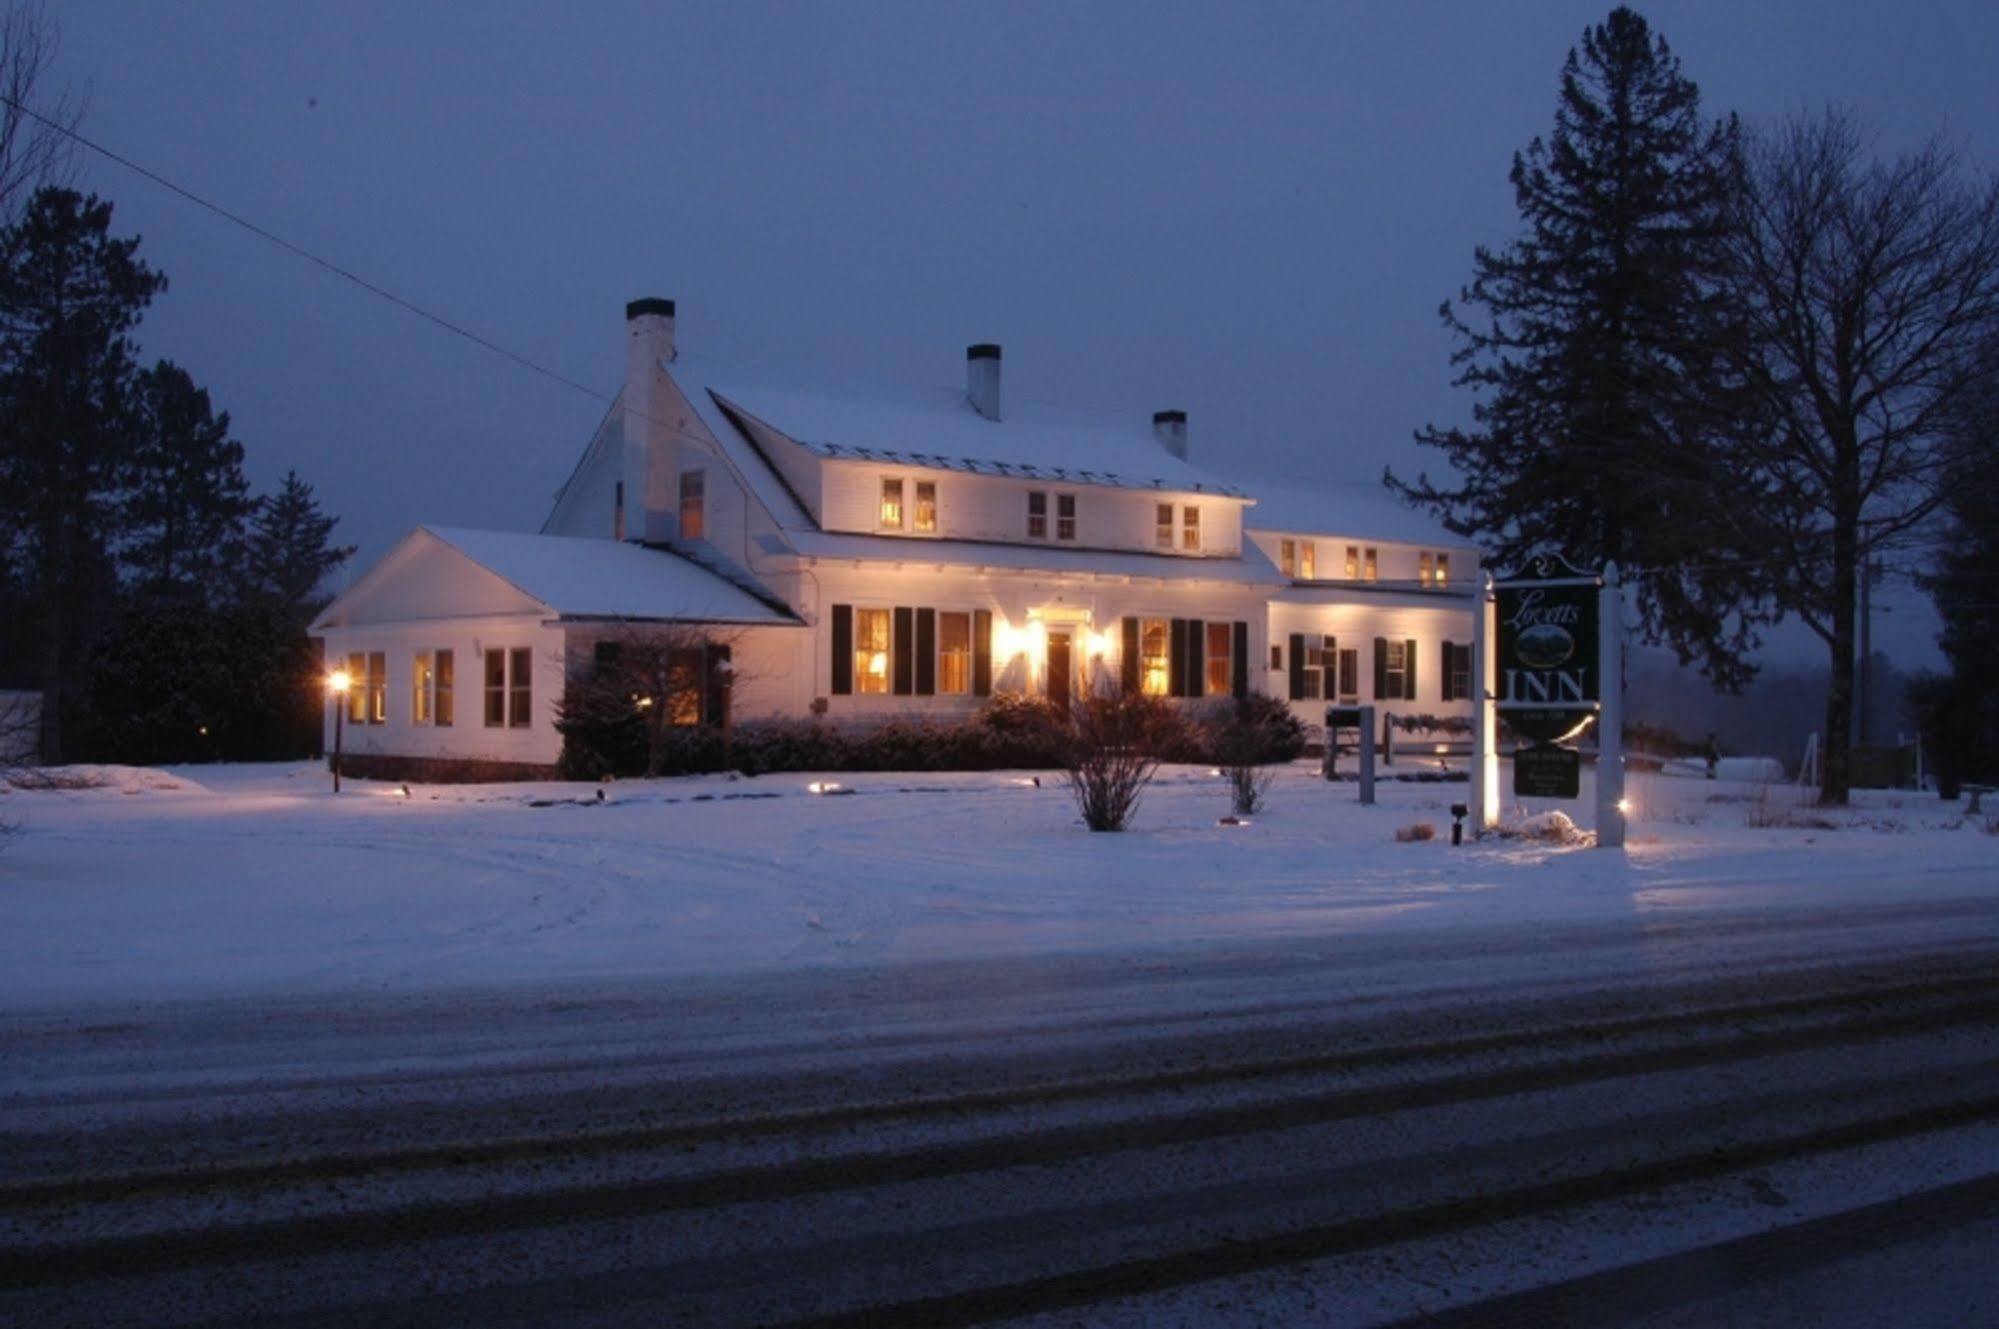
{"type": "Point", "coordinates": [1059, 670]}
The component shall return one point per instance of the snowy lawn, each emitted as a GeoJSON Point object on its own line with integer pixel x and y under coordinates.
{"type": "Point", "coordinates": [228, 880]}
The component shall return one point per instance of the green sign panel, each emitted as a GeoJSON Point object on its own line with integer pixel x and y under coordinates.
{"type": "Point", "coordinates": [1546, 646]}
{"type": "Point", "coordinates": [1543, 770]}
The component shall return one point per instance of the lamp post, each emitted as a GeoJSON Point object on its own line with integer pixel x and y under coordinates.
{"type": "Point", "coordinates": [337, 685]}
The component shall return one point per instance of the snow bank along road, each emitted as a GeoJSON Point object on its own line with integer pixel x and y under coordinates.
{"type": "Point", "coordinates": [1267, 1133]}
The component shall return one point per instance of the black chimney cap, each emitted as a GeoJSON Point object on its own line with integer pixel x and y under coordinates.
{"type": "Point", "coordinates": [1169, 417]}
{"type": "Point", "coordinates": [984, 350]}
{"type": "Point", "coordinates": [652, 304]}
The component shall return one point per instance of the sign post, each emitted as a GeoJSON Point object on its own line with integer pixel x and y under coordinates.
{"type": "Point", "coordinates": [1556, 639]}
{"type": "Point", "coordinates": [1485, 726]}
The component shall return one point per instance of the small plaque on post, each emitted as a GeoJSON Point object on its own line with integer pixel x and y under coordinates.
{"type": "Point", "coordinates": [1547, 770]}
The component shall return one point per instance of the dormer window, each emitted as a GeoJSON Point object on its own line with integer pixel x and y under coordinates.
{"type": "Point", "coordinates": [1353, 562]}
{"type": "Point", "coordinates": [1065, 516]}
{"type": "Point", "coordinates": [1163, 522]}
{"type": "Point", "coordinates": [1308, 560]}
{"type": "Point", "coordinates": [1287, 557]}
{"type": "Point", "coordinates": [926, 506]}
{"type": "Point", "coordinates": [891, 510]}
{"type": "Point", "coordinates": [693, 504]}
{"type": "Point", "coordinates": [1037, 514]}
{"type": "Point", "coordinates": [1190, 527]}
{"type": "Point", "coordinates": [1370, 566]}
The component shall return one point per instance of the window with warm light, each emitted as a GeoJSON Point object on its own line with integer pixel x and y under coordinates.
{"type": "Point", "coordinates": [357, 688]}
{"type": "Point", "coordinates": [1037, 514]}
{"type": "Point", "coordinates": [1315, 666]}
{"type": "Point", "coordinates": [1423, 569]}
{"type": "Point", "coordinates": [1287, 557]}
{"type": "Point", "coordinates": [1155, 644]}
{"type": "Point", "coordinates": [926, 506]}
{"type": "Point", "coordinates": [1443, 569]}
{"type": "Point", "coordinates": [891, 511]}
{"type": "Point", "coordinates": [1353, 562]}
{"type": "Point", "coordinates": [1220, 660]}
{"type": "Point", "coordinates": [423, 688]}
{"type": "Point", "coordinates": [378, 687]}
{"type": "Point", "coordinates": [1163, 524]}
{"type": "Point", "coordinates": [954, 653]}
{"type": "Point", "coordinates": [683, 687]}
{"type": "Point", "coordinates": [693, 504]}
{"type": "Point", "coordinates": [871, 646]}
{"type": "Point", "coordinates": [1308, 560]}
{"type": "Point", "coordinates": [1065, 516]}
{"type": "Point", "coordinates": [1190, 527]}
{"type": "Point", "coordinates": [443, 709]}
{"type": "Point", "coordinates": [1370, 568]}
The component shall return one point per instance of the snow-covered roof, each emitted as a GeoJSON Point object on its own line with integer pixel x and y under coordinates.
{"type": "Point", "coordinates": [1252, 568]}
{"type": "Point", "coordinates": [935, 426]}
{"type": "Point", "coordinates": [578, 577]}
{"type": "Point", "coordinates": [1361, 510]}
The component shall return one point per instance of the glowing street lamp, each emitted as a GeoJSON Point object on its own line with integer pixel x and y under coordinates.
{"type": "Point", "coordinates": [338, 684]}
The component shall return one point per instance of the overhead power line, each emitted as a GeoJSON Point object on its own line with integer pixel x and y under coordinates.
{"type": "Point", "coordinates": [300, 251]}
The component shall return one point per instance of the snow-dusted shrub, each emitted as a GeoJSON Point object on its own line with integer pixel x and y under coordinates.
{"type": "Point", "coordinates": [1257, 728]}
{"type": "Point", "coordinates": [1111, 754]}
{"type": "Point", "coordinates": [1415, 833]}
{"type": "Point", "coordinates": [1554, 827]}
{"type": "Point", "coordinates": [1239, 751]}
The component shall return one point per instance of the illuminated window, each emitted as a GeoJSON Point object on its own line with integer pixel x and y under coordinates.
{"type": "Point", "coordinates": [954, 653]}
{"type": "Point", "coordinates": [1037, 514]}
{"type": "Point", "coordinates": [1315, 665]}
{"type": "Point", "coordinates": [1308, 560]}
{"type": "Point", "coordinates": [1065, 516]}
{"type": "Point", "coordinates": [693, 495]}
{"type": "Point", "coordinates": [442, 709]}
{"type": "Point", "coordinates": [683, 687]}
{"type": "Point", "coordinates": [1190, 527]}
{"type": "Point", "coordinates": [378, 687]}
{"type": "Point", "coordinates": [871, 650]}
{"type": "Point", "coordinates": [892, 504]}
{"type": "Point", "coordinates": [1443, 569]}
{"type": "Point", "coordinates": [1353, 562]}
{"type": "Point", "coordinates": [1370, 568]}
{"type": "Point", "coordinates": [926, 505]}
{"type": "Point", "coordinates": [1423, 569]}
{"type": "Point", "coordinates": [357, 691]}
{"type": "Point", "coordinates": [1287, 557]}
{"type": "Point", "coordinates": [1155, 642]}
{"type": "Point", "coordinates": [1163, 521]}
{"type": "Point", "coordinates": [1220, 660]}
{"type": "Point", "coordinates": [423, 687]}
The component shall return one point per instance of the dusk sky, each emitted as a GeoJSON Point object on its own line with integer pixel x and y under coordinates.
{"type": "Point", "coordinates": [1249, 211]}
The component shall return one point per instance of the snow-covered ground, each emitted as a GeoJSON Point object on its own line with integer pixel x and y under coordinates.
{"type": "Point", "coordinates": [221, 881]}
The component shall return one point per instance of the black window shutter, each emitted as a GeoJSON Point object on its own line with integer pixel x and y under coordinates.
{"type": "Point", "coordinates": [1350, 673]}
{"type": "Point", "coordinates": [903, 647]}
{"type": "Point", "coordinates": [1128, 663]}
{"type": "Point", "coordinates": [1381, 669]}
{"type": "Point", "coordinates": [926, 652]}
{"type": "Point", "coordinates": [1241, 670]}
{"type": "Point", "coordinates": [843, 650]}
{"type": "Point", "coordinates": [1330, 672]}
{"type": "Point", "coordinates": [1409, 670]}
{"type": "Point", "coordinates": [715, 699]}
{"type": "Point", "coordinates": [1297, 666]}
{"type": "Point", "coordinates": [1450, 666]}
{"type": "Point", "coordinates": [1197, 657]}
{"type": "Point", "coordinates": [1176, 666]}
{"type": "Point", "coordinates": [982, 653]}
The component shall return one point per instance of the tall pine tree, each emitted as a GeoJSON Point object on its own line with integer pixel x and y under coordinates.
{"type": "Point", "coordinates": [186, 499]}
{"type": "Point", "coordinates": [70, 295]}
{"type": "Point", "coordinates": [1600, 410]}
{"type": "Point", "coordinates": [290, 551]}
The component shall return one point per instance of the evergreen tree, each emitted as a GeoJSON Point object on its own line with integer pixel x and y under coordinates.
{"type": "Point", "coordinates": [290, 551]}
{"type": "Point", "coordinates": [70, 295]}
{"type": "Point", "coordinates": [184, 509]}
{"type": "Point", "coordinates": [1599, 418]}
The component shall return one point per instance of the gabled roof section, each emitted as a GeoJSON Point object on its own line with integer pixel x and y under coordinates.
{"type": "Point", "coordinates": [454, 571]}
{"type": "Point", "coordinates": [1357, 511]}
{"type": "Point", "coordinates": [936, 427]}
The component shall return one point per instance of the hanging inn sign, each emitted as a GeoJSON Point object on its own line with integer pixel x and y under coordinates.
{"type": "Point", "coordinates": [1549, 680]}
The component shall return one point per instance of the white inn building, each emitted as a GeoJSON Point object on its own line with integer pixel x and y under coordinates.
{"type": "Point", "coordinates": [858, 554]}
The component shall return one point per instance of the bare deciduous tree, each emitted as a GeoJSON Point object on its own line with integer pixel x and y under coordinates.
{"type": "Point", "coordinates": [33, 152]}
{"type": "Point", "coordinates": [673, 676]}
{"type": "Point", "coordinates": [1868, 287]}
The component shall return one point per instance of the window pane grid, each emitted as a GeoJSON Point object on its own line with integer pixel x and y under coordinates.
{"type": "Point", "coordinates": [926, 505]}
{"type": "Point", "coordinates": [871, 645]}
